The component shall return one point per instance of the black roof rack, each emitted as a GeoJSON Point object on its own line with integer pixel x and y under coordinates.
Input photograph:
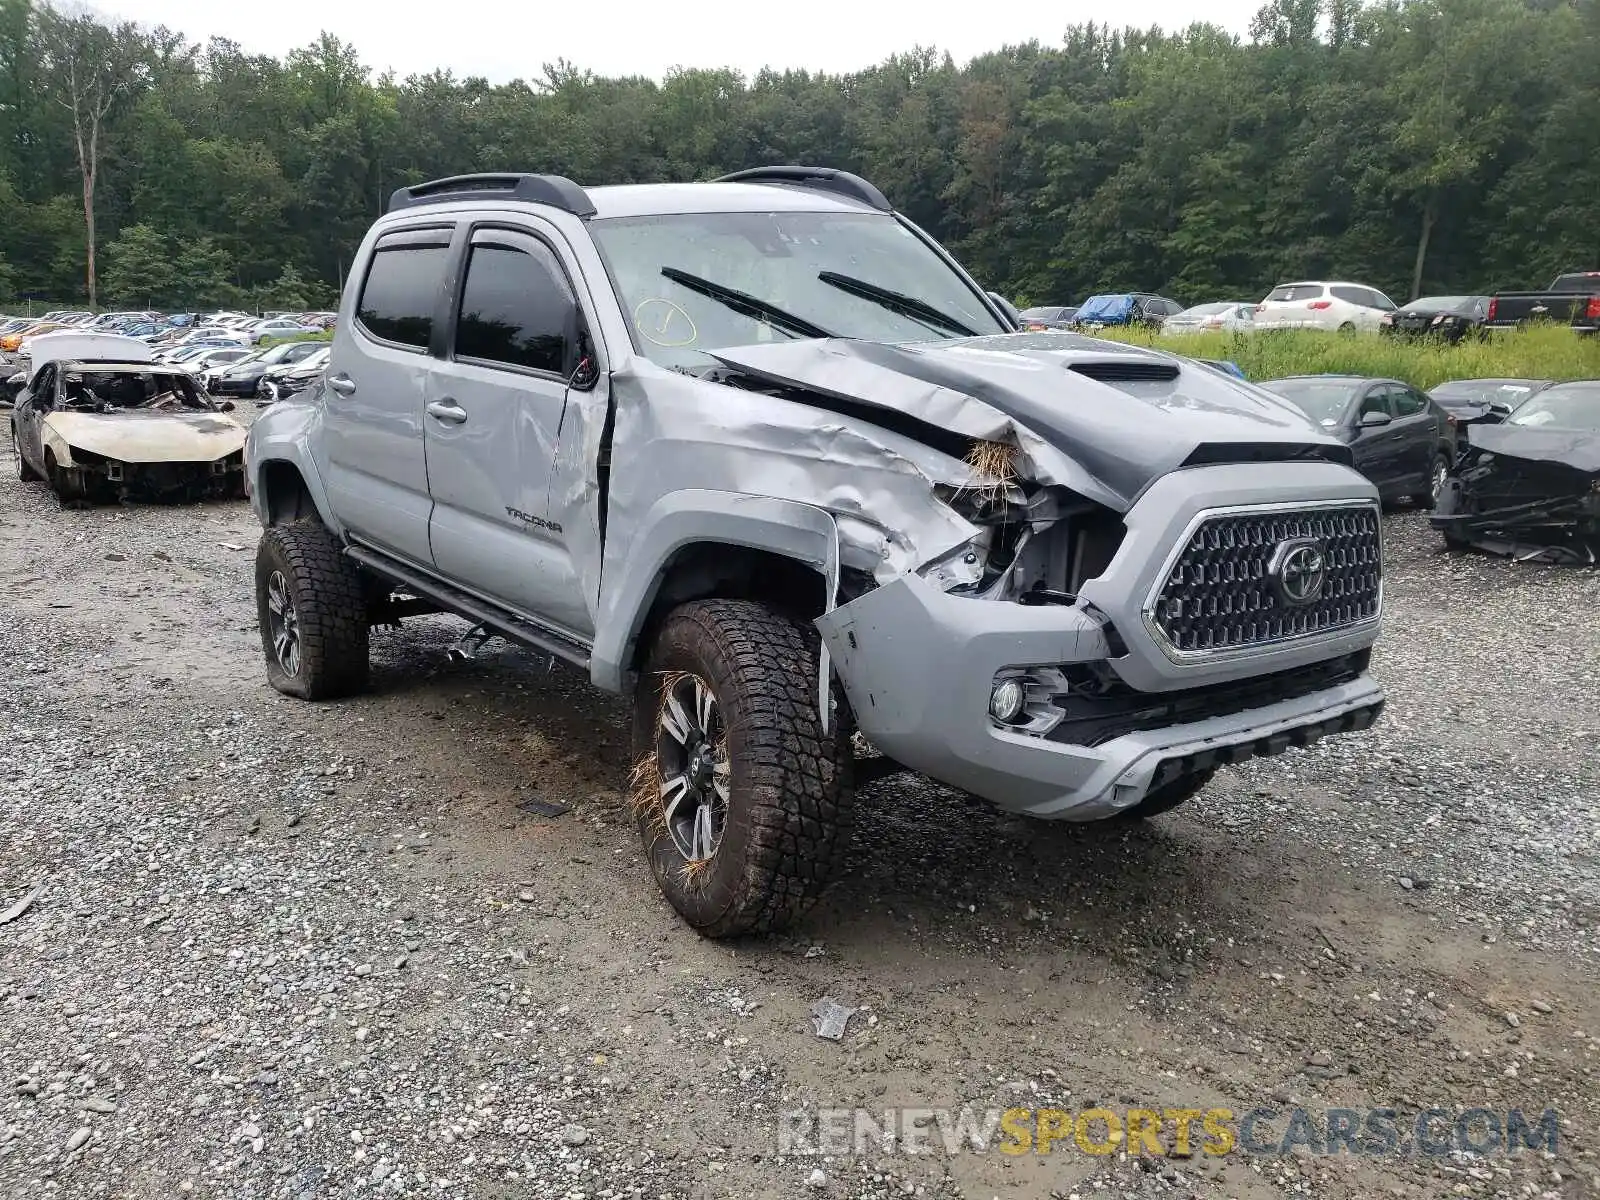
{"type": "Point", "coordinates": [553, 190]}
{"type": "Point", "coordinates": [823, 179]}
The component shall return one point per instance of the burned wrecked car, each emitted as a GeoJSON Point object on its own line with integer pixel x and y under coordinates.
{"type": "Point", "coordinates": [108, 430]}
{"type": "Point", "coordinates": [1529, 487]}
{"type": "Point", "coordinates": [758, 454]}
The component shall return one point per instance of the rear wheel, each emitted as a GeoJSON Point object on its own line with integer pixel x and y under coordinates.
{"type": "Point", "coordinates": [312, 610]}
{"type": "Point", "coordinates": [742, 801]}
{"type": "Point", "coordinates": [1348, 329]}
{"type": "Point", "coordinates": [1169, 795]}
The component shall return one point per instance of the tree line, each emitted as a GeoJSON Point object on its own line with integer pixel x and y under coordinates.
{"type": "Point", "coordinates": [1418, 145]}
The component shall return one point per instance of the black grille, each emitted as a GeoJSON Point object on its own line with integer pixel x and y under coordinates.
{"type": "Point", "coordinates": [1220, 596]}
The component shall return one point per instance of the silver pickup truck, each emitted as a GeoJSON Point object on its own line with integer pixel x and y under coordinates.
{"type": "Point", "coordinates": [759, 454]}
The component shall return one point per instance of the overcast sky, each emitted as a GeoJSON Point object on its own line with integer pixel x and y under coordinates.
{"type": "Point", "coordinates": [505, 40]}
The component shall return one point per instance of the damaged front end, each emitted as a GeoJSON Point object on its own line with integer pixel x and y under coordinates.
{"type": "Point", "coordinates": [98, 478]}
{"type": "Point", "coordinates": [1050, 562]}
{"type": "Point", "coordinates": [1528, 494]}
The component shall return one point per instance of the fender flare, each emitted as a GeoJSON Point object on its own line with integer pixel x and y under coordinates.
{"type": "Point", "coordinates": [803, 532]}
{"type": "Point", "coordinates": [309, 475]}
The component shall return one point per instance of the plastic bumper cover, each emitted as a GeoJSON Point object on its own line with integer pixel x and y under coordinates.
{"type": "Point", "coordinates": [918, 667]}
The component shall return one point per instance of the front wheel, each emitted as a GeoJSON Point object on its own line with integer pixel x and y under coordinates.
{"type": "Point", "coordinates": [1438, 476]}
{"type": "Point", "coordinates": [742, 801]}
{"type": "Point", "coordinates": [312, 611]}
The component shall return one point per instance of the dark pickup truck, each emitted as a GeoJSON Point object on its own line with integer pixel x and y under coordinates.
{"type": "Point", "coordinates": [1573, 299]}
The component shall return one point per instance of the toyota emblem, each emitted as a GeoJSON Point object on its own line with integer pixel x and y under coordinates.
{"type": "Point", "coordinates": [1299, 570]}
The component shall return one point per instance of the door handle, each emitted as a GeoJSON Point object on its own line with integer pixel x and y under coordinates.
{"type": "Point", "coordinates": [342, 384]}
{"type": "Point", "coordinates": [448, 411]}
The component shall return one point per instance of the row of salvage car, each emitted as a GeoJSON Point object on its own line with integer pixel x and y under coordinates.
{"type": "Point", "coordinates": [100, 419]}
{"type": "Point", "coordinates": [1510, 466]}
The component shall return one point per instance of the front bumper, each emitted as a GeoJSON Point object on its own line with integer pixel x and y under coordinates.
{"type": "Point", "coordinates": [918, 667]}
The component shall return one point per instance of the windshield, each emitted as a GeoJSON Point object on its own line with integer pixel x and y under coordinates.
{"type": "Point", "coordinates": [104, 391]}
{"type": "Point", "coordinates": [1323, 400]}
{"type": "Point", "coordinates": [1438, 304]}
{"type": "Point", "coordinates": [732, 279]}
{"type": "Point", "coordinates": [1204, 310]}
{"type": "Point", "coordinates": [1486, 391]}
{"type": "Point", "coordinates": [1564, 406]}
{"type": "Point", "coordinates": [1288, 292]}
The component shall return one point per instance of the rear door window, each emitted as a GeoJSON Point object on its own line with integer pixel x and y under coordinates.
{"type": "Point", "coordinates": [1408, 402]}
{"type": "Point", "coordinates": [1353, 295]}
{"type": "Point", "coordinates": [400, 294]}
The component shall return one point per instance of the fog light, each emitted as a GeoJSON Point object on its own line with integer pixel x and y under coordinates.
{"type": "Point", "coordinates": [1005, 702]}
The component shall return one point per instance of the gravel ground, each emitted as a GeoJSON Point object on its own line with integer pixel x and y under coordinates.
{"type": "Point", "coordinates": [299, 951]}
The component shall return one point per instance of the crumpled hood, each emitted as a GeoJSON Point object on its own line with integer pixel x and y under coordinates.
{"type": "Point", "coordinates": [1571, 447]}
{"type": "Point", "coordinates": [1102, 418]}
{"type": "Point", "coordinates": [147, 437]}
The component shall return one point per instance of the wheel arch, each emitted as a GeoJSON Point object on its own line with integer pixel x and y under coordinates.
{"type": "Point", "coordinates": [701, 544]}
{"type": "Point", "coordinates": [281, 491]}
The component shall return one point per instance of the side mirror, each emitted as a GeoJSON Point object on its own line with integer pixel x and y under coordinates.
{"type": "Point", "coordinates": [1372, 420]}
{"type": "Point", "coordinates": [1007, 307]}
{"type": "Point", "coordinates": [1500, 408]}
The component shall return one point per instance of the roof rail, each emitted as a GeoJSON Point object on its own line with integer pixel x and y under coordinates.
{"type": "Point", "coordinates": [823, 179]}
{"type": "Point", "coordinates": [553, 190]}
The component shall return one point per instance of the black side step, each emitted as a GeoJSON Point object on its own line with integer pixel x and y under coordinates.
{"type": "Point", "coordinates": [508, 625]}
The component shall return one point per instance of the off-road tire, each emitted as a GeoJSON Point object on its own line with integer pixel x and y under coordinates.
{"type": "Point", "coordinates": [1169, 795]}
{"type": "Point", "coordinates": [24, 472]}
{"type": "Point", "coordinates": [787, 822]}
{"type": "Point", "coordinates": [329, 610]}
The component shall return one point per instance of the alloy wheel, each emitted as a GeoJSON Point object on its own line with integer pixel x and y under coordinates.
{"type": "Point", "coordinates": [696, 773]}
{"type": "Point", "coordinates": [283, 624]}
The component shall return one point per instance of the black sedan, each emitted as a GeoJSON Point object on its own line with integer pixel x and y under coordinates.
{"type": "Point", "coordinates": [1529, 487]}
{"type": "Point", "coordinates": [244, 377]}
{"type": "Point", "coordinates": [1400, 439]}
{"type": "Point", "coordinates": [1448, 318]}
{"type": "Point", "coordinates": [285, 381]}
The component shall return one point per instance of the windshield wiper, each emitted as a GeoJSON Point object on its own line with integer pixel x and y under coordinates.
{"type": "Point", "coordinates": [745, 304]}
{"type": "Point", "coordinates": [899, 302]}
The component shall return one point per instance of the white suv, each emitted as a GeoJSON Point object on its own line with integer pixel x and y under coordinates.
{"type": "Point", "coordinates": [1345, 307]}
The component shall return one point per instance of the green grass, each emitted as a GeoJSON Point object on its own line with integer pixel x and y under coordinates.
{"type": "Point", "coordinates": [1537, 353]}
{"type": "Point", "coordinates": [325, 336]}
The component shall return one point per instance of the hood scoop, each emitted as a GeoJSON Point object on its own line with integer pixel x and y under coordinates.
{"type": "Point", "coordinates": [1126, 370]}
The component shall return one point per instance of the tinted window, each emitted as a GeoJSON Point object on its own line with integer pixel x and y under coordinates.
{"type": "Point", "coordinates": [1354, 295]}
{"type": "Point", "coordinates": [1580, 281]}
{"type": "Point", "coordinates": [401, 292]}
{"type": "Point", "coordinates": [516, 308]}
{"type": "Point", "coordinates": [1375, 401]}
{"type": "Point", "coordinates": [1379, 300]}
{"type": "Point", "coordinates": [1296, 291]}
{"type": "Point", "coordinates": [1408, 403]}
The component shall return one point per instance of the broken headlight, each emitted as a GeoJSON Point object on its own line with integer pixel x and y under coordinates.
{"type": "Point", "coordinates": [1001, 513]}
